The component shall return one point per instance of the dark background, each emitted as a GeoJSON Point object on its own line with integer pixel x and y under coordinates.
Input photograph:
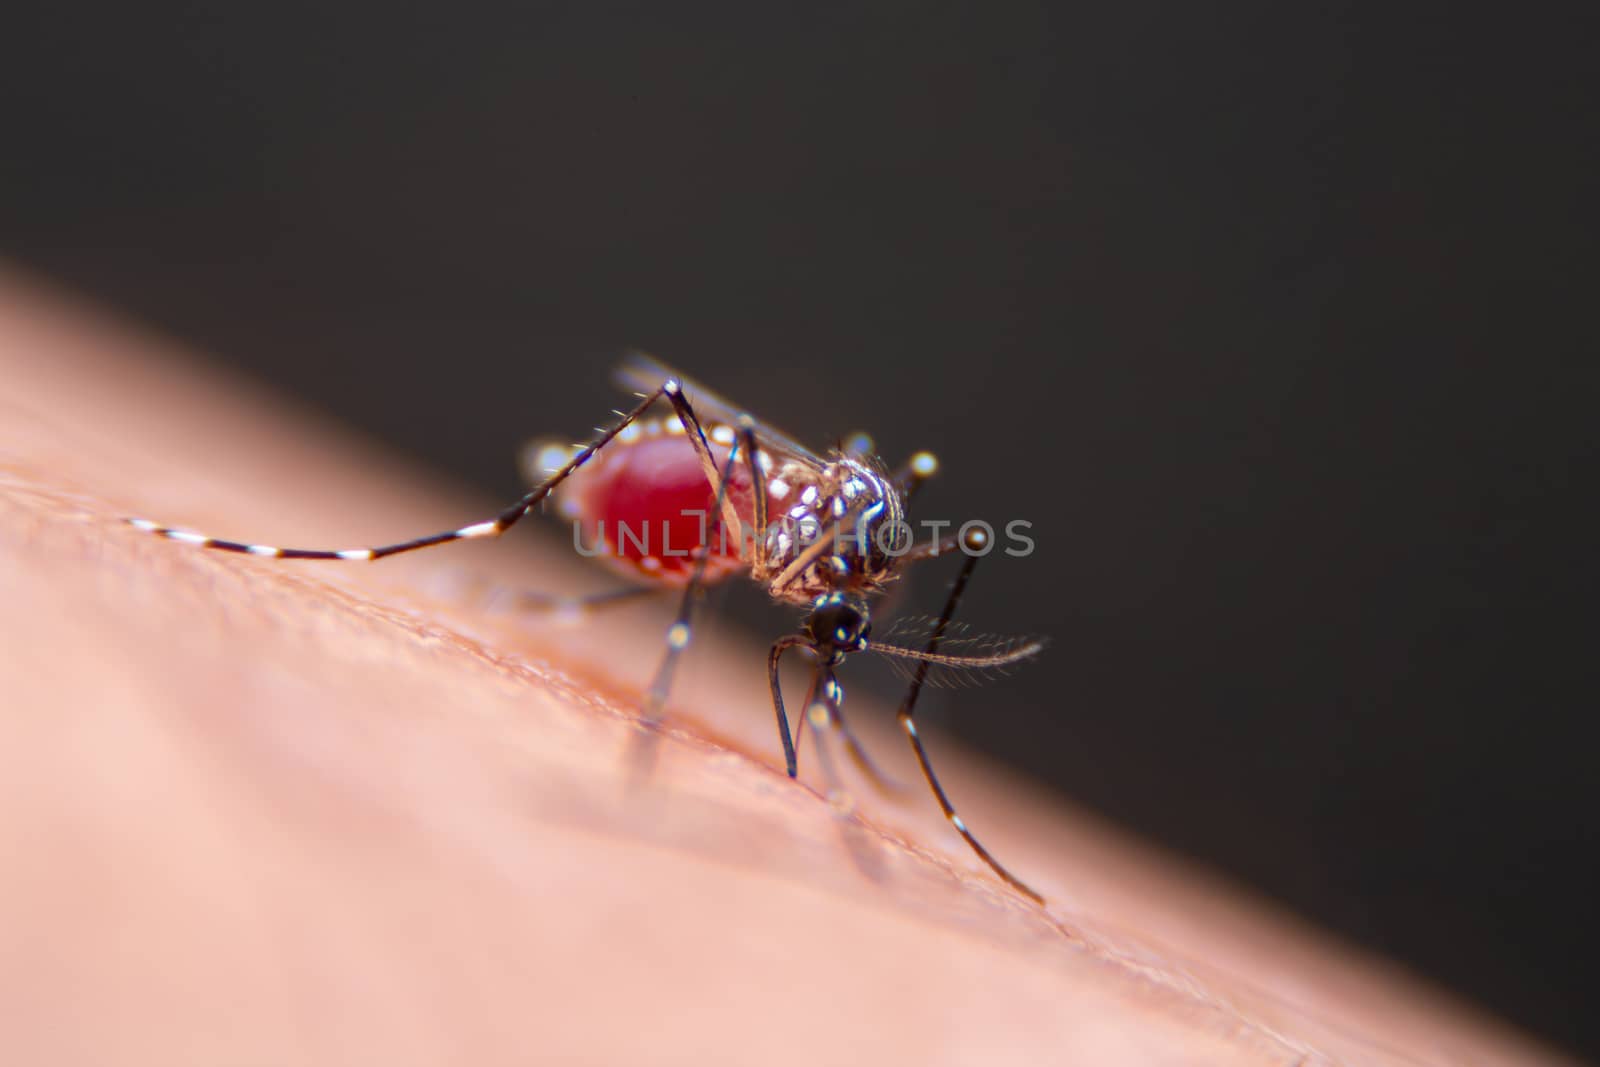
{"type": "Point", "coordinates": [1269, 317]}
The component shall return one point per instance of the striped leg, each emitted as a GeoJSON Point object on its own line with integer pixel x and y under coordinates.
{"type": "Point", "coordinates": [909, 724]}
{"type": "Point", "coordinates": [488, 528]}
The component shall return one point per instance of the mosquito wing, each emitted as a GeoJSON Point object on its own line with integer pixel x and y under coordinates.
{"type": "Point", "coordinates": [642, 373]}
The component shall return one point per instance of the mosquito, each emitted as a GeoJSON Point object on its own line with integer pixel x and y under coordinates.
{"type": "Point", "coordinates": [825, 532]}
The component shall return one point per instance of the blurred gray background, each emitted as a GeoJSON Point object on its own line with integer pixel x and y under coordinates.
{"type": "Point", "coordinates": [1269, 317]}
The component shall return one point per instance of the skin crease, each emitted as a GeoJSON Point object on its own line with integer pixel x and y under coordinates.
{"type": "Point", "coordinates": [258, 812]}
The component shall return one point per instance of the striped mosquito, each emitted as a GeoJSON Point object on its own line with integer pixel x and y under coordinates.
{"type": "Point", "coordinates": [727, 495]}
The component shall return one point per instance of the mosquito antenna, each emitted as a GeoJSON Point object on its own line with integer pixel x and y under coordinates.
{"type": "Point", "coordinates": [979, 657]}
{"type": "Point", "coordinates": [1022, 648]}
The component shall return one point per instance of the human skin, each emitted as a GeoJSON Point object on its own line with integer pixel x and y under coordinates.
{"type": "Point", "coordinates": [265, 812]}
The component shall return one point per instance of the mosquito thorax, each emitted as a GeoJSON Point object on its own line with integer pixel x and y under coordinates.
{"type": "Point", "coordinates": [839, 623]}
{"type": "Point", "coordinates": [852, 503]}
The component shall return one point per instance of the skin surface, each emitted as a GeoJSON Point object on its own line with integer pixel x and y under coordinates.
{"type": "Point", "coordinates": [260, 812]}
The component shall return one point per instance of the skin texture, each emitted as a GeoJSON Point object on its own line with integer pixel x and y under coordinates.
{"type": "Point", "coordinates": [260, 812]}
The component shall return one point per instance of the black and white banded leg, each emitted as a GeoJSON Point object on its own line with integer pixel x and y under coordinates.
{"type": "Point", "coordinates": [493, 527]}
{"type": "Point", "coordinates": [677, 634]}
{"type": "Point", "coordinates": [909, 724]}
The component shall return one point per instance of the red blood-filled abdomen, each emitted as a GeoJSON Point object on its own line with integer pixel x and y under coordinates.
{"type": "Point", "coordinates": [630, 503]}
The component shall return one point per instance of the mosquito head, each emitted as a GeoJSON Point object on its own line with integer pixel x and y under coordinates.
{"type": "Point", "coordinates": [838, 623]}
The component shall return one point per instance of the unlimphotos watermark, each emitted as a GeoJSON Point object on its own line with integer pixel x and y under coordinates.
{"type": "Point", "coordinates": [893, 539]}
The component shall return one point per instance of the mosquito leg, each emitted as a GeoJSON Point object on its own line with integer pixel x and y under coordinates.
{"type": "Point", "coordinates": [678, 633]}
{"type": "Point", "coordinates": [889, 607]}
{"type": "Point", "coordinates": [834, 706]}
{"type": "Point", "coordinates": [822, 708]}
{"type": "Point", "coordinates": [790, 743]}
{"type": "Point", "coordinates": [791, 748]}
{"type": "Point", "coordinates": [934, 549]}
{"type": "Point", "coordinates": [758, 491]}
{"type": "Point", "coordinates": [909, 724]}
{"type": "Point", "coordinates": [858, 754]}
{"type": "Point", "coordinates": [708, 463]}
{"type": "Point", "coordinates": [839, 798]}
{"type": "Point", "coordinates": [918, 469]}
{"type": "Point", "coordinates": [488, 528]}
{"type": "Point", "coordinates": [821, 697]}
